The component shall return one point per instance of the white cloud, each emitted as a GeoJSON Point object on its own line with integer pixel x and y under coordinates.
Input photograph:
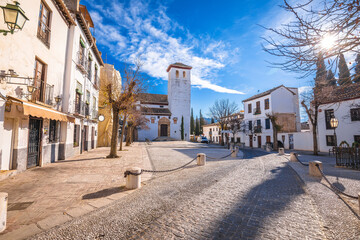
{"type": "Point", "coordinates": [150, 36]}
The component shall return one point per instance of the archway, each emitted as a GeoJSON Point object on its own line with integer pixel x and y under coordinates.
{"type": "Point", "coordinates": [164, 127]}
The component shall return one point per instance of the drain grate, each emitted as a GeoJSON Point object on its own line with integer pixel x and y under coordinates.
{"type": "Point", "coordinates": [19, 206]}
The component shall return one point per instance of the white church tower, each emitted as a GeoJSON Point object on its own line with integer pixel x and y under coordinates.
{"type": "Point", "coordinates": [179, 98]}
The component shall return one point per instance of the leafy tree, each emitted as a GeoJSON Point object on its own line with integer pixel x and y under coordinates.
{"type": "Point", "coordinates": [220, 110]}
{"type": "Point", "coordinates": [330, 79]}
{"type": "Point", "coordinates": [197, 127]}
{"type": "Point", "coordinates": [344, 73]}
{"type": "Point", "coordinates": [357, 69]}
{"type": "Point", "coordinates": [320, 71]}
{"type": "Point", "coordinates": [182, 128]}
{"type": "Point", "coordinates": [192, 122]}
{"type": "Point", "coordinates": [202, 122]}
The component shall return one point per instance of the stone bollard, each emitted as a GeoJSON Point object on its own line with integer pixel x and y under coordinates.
{"type": "Point", "coordinates": [235, 152]}
{"type": "Point", "coordinates": [3, 210]}
{"type": "Point", "coordinates": [268, 148]}
{"type": "Point", "coordinates": [313, 169]}
{"type": "Point", "coordinates": [201, 159]}
{"type": "Point", "coordinates": [133, 181]}
{"type": "Point", "coordinates": [281, 151]}
{"type": "Point", "coordinates": [293, 157]}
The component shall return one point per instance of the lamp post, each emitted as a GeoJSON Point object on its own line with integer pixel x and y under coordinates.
{"type": "Point", "coordinates": [334, 124]}
{"type": "Point", "coordinates": [14, 17]}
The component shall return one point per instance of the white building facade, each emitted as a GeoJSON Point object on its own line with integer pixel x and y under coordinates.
{"type": "Point", "coordinates": [212, 132]}
{"type": "Point", "coordinates": [37, 84]}
{"type": "Point", "coordinates": [342, 103]}
{"type": "Point", "coordinates": [165, 112]}
{"type": "Point", "coordinates": [280, 101]}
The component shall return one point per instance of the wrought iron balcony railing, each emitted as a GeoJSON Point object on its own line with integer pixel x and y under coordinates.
{"type": "Point", "coordinates": [257, 111]}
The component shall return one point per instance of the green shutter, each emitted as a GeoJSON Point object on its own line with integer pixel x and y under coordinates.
{"type": "Point", "coordinates": [82, 43]}
{"type": "Point", "coordinates": [90, 57]}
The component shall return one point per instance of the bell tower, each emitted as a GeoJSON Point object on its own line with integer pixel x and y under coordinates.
{"type": "Point", "coordinates": [179, 98]}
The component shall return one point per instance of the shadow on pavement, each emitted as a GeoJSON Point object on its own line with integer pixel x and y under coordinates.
{"type": "Point", "coordinates": [259, 206]}
{"type": "Point", "coordinates": [80, 160]}
{"type": "Point", "coordinates": [104, 192]}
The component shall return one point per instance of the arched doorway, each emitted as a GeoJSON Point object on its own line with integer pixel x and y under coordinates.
{"type": "Point", "coordinates": [164, 127]}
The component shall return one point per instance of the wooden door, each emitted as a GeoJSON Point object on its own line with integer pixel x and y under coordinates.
{"type": "Point", "coordinates": [251, 140]}
{"type": "Point", "coordinates": [163, 130]}
{"type": "Point", "coordinates": [259, 141]}
{"type": "Point", "coordinates": [34, 144]}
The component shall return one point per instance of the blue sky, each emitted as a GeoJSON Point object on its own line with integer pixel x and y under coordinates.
{"type": "Point", "coordinates": [221, 40]}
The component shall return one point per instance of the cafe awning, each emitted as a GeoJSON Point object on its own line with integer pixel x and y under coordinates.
{"type": "Point", "coordinates": [35, 110]}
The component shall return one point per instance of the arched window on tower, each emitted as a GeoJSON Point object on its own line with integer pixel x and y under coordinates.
{"type": "Point", "coordinates": [177, 74]}
{"type": "Point", "coordinates": [184, 74]}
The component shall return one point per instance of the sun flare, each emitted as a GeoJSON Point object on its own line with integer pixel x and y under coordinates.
{"type": "Point", "coordinates": [328, 41]}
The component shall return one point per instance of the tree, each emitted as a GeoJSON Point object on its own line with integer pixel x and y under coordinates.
{"type": "Point", "coordinates": [275, 127]}
{"type": "Point", "coordinates": [135, 121]}
{"type": "Point", "coordinates": [182, 128]}
{"type": "Point", "coordinates": [202, 122]}
{"type": "Point", "coordinates": [344, 73]}
{"type": "Point", "coordinates": [212, 120]}
{"type": "Point", "coordinates": [356, 78]}
{"type": "Point", "coordinates": [235, 124]}
{"type": "Point", "coordinates": [120, 97]}
{"type": "Point", "coordinates": [197, 127]}
{"type": "Point", "coordinates": [330, 79]}
{"type": "Point", "coordinates": [192, 122]}
{"type": "Point", "coordinates": [327, 26]}
{"type": "Point", "coordinates": [220, 110]}
{"type": "Point", "coordinates": [320, 71]}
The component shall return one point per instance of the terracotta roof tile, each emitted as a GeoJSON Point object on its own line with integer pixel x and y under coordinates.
{"type": "Point", "coordinates": [153, 98]}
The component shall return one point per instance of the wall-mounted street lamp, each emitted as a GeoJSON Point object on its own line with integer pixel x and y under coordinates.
{"type": "Point", "coordinates": [334, 123]}
{"type": "Point", "coordinates": [14, 17]}
{"type": "Point", "coordinates": [57, 99]}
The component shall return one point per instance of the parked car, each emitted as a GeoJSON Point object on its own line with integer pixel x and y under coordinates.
{"type": "Point", "coordinates": [204, 140]}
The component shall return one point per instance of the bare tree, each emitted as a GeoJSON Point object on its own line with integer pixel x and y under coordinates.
{"type": "Point", "coordinates": [121, 97]}
{"type": "Point", "coordinates": [329, 28]}
{"type": "Point", "coordinates": [234, 123]}
{"type": "Point", "coordinates": [135, 121]}
{"type": "Point", "coordinates": [220, 110]}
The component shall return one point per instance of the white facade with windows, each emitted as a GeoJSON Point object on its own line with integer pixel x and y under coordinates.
{"type": "Point", "coordinates": [348, 115]}
{"type": "Point", "coordinates": [280, 101]}
{"type": "Point", "coordinates": [212, 132]}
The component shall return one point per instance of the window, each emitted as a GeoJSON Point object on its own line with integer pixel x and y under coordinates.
{"type": "Point", "coordinates": [43, 31]}
{"type": "Point", "coordinates": [328, 115]}
{"type": "Point", "coordinates": [249, 108]}
{"type": "Point", "coordinates": [96, 78]}
{"type": "Point", "coordinates": [238, 140]}
{"type": "Point", "coordinates": [267, 103]}
{"type": "Point", "coordinates": [268, 139]}
{"type": "Point", "coordinates": [82, 52]}
{"type": "Point", "coordinates": [53, 131]}
{"type": "Point", "coordinates": [177, 74]}
{"type": "Point", "coordinates": [39, 81]}
{"type": "Point", "coordinates": [161, 106]}
{"type": "Point", "coordinates": [250, 125]}
{"type": "Point", "coordinates": [152, 120]}
{"type": "Point", "coordinates": [184, 74]}
{"type": "Point", "coordinates": [89, 68]}
{"type": "Point", "coordinates": [355, 114]}
{"type": "Point", "coordinates": [267, 123]}
{"type": "Point", "coordinates": [175, 120]}
{"type": "Point", "coordinates": [258, 123]}
{"type": "Point", "coordinates": [330, 140]}
{"type": "Point", "coordinates": [217, 139]}
{"type": "Point", "coordinates": [76, 135]}
{"type": "Point", "coordinates": [357, 138]}
{"type": "Point", "coordinates": [257, 111]}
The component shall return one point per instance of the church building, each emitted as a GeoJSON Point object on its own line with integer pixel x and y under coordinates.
{"type": "Point", "coordinates": [165, 112]}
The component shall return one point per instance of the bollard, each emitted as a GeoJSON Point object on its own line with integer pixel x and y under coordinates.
{"type": "Point", "coordinates": [235, 152]}
{"type": "Point", "coordinates": [293, 157]}
{"type": "Point", "coordinates": [281, 151]}
{"type": "Point", "coordinates": [268, 148]}
{"type": "Point", "coordinates": [133, 181]}
{"type": "Point", "coordinates": [201, 159]}
{"type": "Point", "coordinates": [313, 169]}
{"type": "Point", "coordinates": [3, 210]}
{"type": "Point", "coordinates": [359, 201]}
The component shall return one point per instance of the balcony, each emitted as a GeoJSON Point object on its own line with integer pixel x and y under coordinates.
{"type": "Point", "coordinates": [257, 129]}
{"type": "Point", "coordinates": [257, 111]}
{"type": "Point", "coordinates": [89, 73]}
{"type": "Point", "coordinates": [87, 110]}
{"type": "Point", "coordinates": [79, 107]}
{"type": "Point", "coordinates": [43, 34]}
{"type": "Point", "coordinates": [44, 93]}
{"type": "Point", "coordinates": [81, 62]}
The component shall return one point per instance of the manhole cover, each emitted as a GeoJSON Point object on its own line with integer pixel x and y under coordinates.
{"type": "Point", "coordinates": [19, 206]}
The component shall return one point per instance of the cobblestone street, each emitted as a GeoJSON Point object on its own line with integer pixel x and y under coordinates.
{"type": "Point", "coordinates": [254, 197]}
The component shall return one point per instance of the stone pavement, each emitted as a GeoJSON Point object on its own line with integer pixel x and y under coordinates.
{"type": "Point", "coordinates": [41, 198]}
{"type": "Point", "coordinates": [257, 197]}
{"type": "Point", "coordinates": [340, 214]}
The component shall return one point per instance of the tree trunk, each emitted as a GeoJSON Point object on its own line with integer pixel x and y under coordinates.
{"type": "Point", "coordinates": [275, 138]}
{"type": "Point", "coordinates": [314, 131]}
{"type": "Point", "coordinates": [114, 134]}
{"type": "Point", "coordinates": [122, 133]}
{"type": "Point", "coordinates": [128, 136]}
